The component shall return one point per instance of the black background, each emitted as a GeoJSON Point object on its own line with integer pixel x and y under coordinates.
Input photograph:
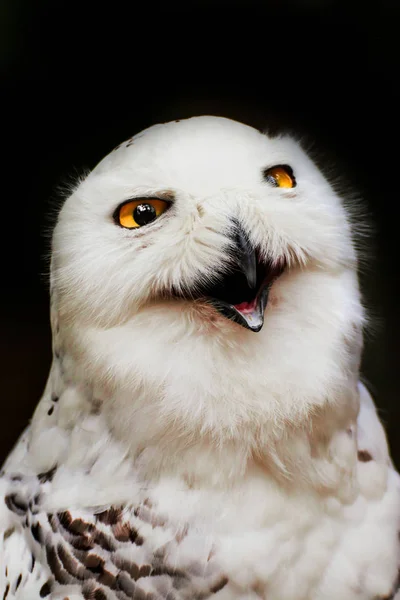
{"type": "Point", "coordinates": [77, 80]}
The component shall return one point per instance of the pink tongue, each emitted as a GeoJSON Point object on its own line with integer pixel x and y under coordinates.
{"type": "Point", "coordinates": [246, 307]}
{"type": "Point", "coordinates": [251, 314]}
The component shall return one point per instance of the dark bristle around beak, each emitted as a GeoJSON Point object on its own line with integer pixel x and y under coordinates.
{"type": "Point", "coordinates": [241, 294]}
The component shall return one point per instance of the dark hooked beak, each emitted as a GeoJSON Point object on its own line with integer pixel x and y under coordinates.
{"type": "Point", "coordinates": [242, 293]}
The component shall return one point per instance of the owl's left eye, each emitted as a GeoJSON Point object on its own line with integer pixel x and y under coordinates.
{"type": "Point", "coordinates": [280, 176]}
{"type": "Point", "coordinates": [141, 211]}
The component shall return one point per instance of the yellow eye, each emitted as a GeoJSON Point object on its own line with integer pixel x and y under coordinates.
{"type": "Point", "coordinates": [280, 176]}
{"type": "Point", "coordinates": [139, 212]}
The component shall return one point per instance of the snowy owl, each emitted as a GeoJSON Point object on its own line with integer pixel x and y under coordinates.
{"type": "Point", "coordinates": [203, 432]}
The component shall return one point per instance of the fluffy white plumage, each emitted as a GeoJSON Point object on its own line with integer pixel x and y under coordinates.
{"type": "Point", "coordinates": [174, 453]}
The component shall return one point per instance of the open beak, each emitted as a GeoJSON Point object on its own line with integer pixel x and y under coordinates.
{"type": "Point", "coordinates": [242, 293]}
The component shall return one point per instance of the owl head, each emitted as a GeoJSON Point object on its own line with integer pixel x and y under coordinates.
{"type": "Point", "coordinates": [206, 213]}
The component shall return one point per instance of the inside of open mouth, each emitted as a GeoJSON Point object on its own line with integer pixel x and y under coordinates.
{"type": "Point", "coordinates": [233, 288]}
{"type": "Point", "coordinates": [241, 293]}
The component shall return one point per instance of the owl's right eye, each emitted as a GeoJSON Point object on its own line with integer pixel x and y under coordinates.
{"type": "Point", "coordinates": [280, 176]}
{"type": "Point", "coordinates": [139, 212]}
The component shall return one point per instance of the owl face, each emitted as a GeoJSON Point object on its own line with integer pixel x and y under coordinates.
{"type": "Point", "coordinates": [206, 214]}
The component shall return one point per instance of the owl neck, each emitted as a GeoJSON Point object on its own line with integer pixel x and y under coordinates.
{"type": "Point", "coordinates": [175, 400]}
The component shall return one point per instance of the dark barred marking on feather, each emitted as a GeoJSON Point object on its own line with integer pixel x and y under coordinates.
{"type": "Point", "coordinates": [53, 522]}
{"type": "Point", "coordinates": [18, 582]}
{"type": "Point", "coordinates": [45, 589]}
{"type": "Point", "coordinates": [108, 579]}
{"type": "Point", "coordinates": [166, 570]}
{"type": "Point", "coordinates": [70, 564]}
{"type": "Point", "coordinates": [126, 585]}
{"type": "Point", "coordinates": [124, 532]}
{"type": "Point", "coordinates": [89, 536]}
{"type": "Point", "coordinates": [77, 526]}
{"type": "Point", "coordinates": [110, 517]}
{"type": "Point", "coordinates": [47, 475]}
{"type": "Point", "coordinates": [6, 591]}
{"type": "Point", "coordinates": [125, 565]}
{"type": "Point", "coordinates": [220, 585]}
{"type": "Point", "coordinates": [82, 543]}
{"type": "Point", "coordinates": [91, 591]}
{"type": "Point", "coordinates": [104, 541]}
{"type": "Point", "coordinates": [364, 456]}
{"type": "Point", "coordinates": [96, 405]}
{"type": "Point", "coordinates": [16, 505]}
{"type": "Point", "coordinates": [36, 531]}
{"type": "Point", "coordinates": [55, 566]}
{"type": "Point", "coordinates": [8, 533]}
{"type": "Point", "coordinates": [94, 563]}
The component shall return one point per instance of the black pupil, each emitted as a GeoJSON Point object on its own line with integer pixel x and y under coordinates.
{"type": "Point", "coordinates": [144, 214]}
{"type": "Point", "coordinates": [271, 180]}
